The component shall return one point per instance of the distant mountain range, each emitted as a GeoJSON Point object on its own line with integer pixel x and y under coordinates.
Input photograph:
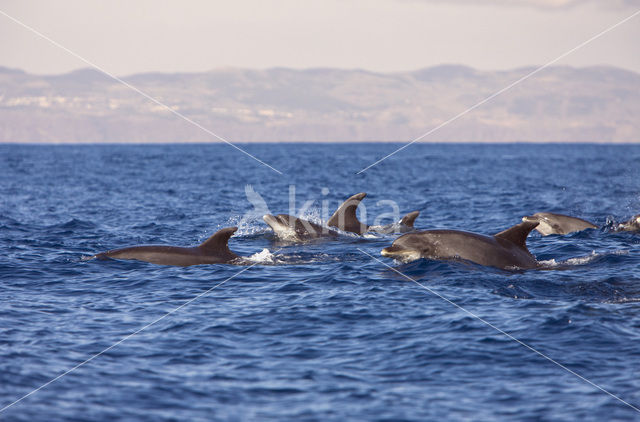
{"type": "Point", "coordinates": [593, 104]}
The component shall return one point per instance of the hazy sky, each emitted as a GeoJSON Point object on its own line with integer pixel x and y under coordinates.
{"type": "Point", "coordinates": [127, 37]}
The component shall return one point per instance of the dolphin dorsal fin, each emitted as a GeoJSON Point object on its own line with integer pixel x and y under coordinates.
{"type": "Point", "coordinates": [218, 242]}
{"type": "Point", "coordinates": [345, 217]}
{"type": "Point", "coordinates": [518, 233]}
{"type": "Point", "coordinates": [410, 218]}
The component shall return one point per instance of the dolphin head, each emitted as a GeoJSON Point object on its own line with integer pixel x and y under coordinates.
{"type": "Point", "coordinates": [280, 225]}
{"type": "Point", "coordinates": [289, 227]}
{"type": "Point", "coordinates": [545, 226]}
{"type": "Point", "coordinates": [409, 248]}
{"type": "Point", "coordinates": [632, 225]}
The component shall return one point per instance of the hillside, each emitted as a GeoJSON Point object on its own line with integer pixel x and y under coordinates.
{"type": "Point", "coordinates": [595, 104]}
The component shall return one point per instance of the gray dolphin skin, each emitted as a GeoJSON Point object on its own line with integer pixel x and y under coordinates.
{"type": "Point", "coordinates": [345, 217]}
{"type": "Point", "coordinates": [214, 250]}
{"type": "Point", "coordinates": [633, 225]}
{"type": "Point", "coordinates": [288, 227]}
{"type": "Point", "coordinates": [505, 250]}
{"type": "Point", "coordinates": [405, 225]}
{"type": "Point", "coordinates": [551, 223]}
{"type": "Point", "coordinates": [346, 220]}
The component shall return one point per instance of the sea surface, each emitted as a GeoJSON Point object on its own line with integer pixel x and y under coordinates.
{"type": "Point", "coordinates": [323, 331]}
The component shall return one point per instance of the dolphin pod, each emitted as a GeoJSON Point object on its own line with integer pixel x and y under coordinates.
{"type": "Point", "coordinates": [215, 250]}
{"type": "Point", "coordinates": [291, 228]}
{"type": "Point", "coordinates": [505, 250]}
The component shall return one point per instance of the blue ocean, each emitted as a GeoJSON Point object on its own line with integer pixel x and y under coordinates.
{"type": "Point", "coordinates": [327, 330]}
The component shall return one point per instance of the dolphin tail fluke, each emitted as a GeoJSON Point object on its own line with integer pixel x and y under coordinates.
{"type": "Point", "coordinates": [518, 233]}
{"type": "Point", "coordinates": [218, 242]}
{"type": "Point", "coordinates": [410, 218]}
{"type": "Point", "coordinates": [345, 217]}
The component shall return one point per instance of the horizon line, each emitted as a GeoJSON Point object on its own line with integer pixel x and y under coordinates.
{"type": "Point", "coordinates": [316, 68]}
{"type": "Point", "coordinates": [214, 142]}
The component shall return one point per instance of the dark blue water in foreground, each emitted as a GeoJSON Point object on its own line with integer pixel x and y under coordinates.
{"type": "Point", "coordinates": [318, 331]}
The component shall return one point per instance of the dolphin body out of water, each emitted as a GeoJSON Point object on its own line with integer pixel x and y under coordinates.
{"type": "Point", "coordinates": [505, 250]}
{"type": "Point", "coordinates": [633, 225]}
{"type": "Point", "coordinates": [289, 227]}
{"type": "Point", "coordinates": [214, 250]}
{"type": "Point", "coordinates": [551, 223]}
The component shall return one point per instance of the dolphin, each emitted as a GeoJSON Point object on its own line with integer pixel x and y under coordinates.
{"type": "Point", "coordinates": [551, 223]}
{"type": "Point", "coordinates": [505, 250]}
{"type": "Point", "coordinates": [288, 227]}
{"type": "Point", "coordinates": [346, 220]}
{"type": "Point", "coordinates": [214, 250]}
{"type": "Point", "coordinates": [345, 217]}
{"type": "Point", "coordinates": [405, 225]}
{"type": "Point", "coordinates": [633, 225]}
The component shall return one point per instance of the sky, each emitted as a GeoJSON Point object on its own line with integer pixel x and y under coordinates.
{"type": "Point", "coordinates": [126, 37]}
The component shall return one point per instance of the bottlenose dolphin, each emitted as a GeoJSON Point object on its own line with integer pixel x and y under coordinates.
{"type": "Point", "coordinates": [551, 223]}
{"type": "Point", "coordinates": [288, 227]}
{"type": "Point", "coordinates": [345, 217]}
{"type": "Point", "coordinates": [405, 225]}
{"type": "Point", "coordinates": [346, 220]}
{"type": "Point", "coordinates": [214, 250]}
{"type": "Point", "coordinates": [506, 250]}
{"type": "Point", "coordinates": [633, 225]}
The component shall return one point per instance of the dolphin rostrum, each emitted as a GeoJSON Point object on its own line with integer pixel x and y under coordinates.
{"type": "Point", "coordinates": [214, 250]}
{"type": "Point", "coordinates": [551, 223]}
{"type": "Point", "coordinates": [506, 250]}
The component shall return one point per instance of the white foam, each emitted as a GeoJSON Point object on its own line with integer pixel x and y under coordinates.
{"type": "Point", "coordinates": [369, 235]}
{"type": "Point", "coordinates": [248, 227]}
{"type": "Point", "coordinates": [580, 260]}
{"type": "Point", "coordinates": [263, 257]}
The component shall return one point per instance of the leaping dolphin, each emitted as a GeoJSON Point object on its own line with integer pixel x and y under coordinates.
{"type": "Point", "coordinates": [551, 223]}
{"type": "Point", "coordinates": [505, 250]}
{"type": "Point", "coordinates": [214, 250]}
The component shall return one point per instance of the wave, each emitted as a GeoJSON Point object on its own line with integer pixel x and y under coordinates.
{"type": "Point", "coordinates": [581, 260]}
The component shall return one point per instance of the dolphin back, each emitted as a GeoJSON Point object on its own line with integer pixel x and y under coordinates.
{"type": "Point", "coordinates": [518, 233]}
{"type": "Point", "coordinates": [218, 243]}
{"type": "Point", "coordinates": [410, 218]}
{"type": "Point", "coordinates": [345, 217]}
